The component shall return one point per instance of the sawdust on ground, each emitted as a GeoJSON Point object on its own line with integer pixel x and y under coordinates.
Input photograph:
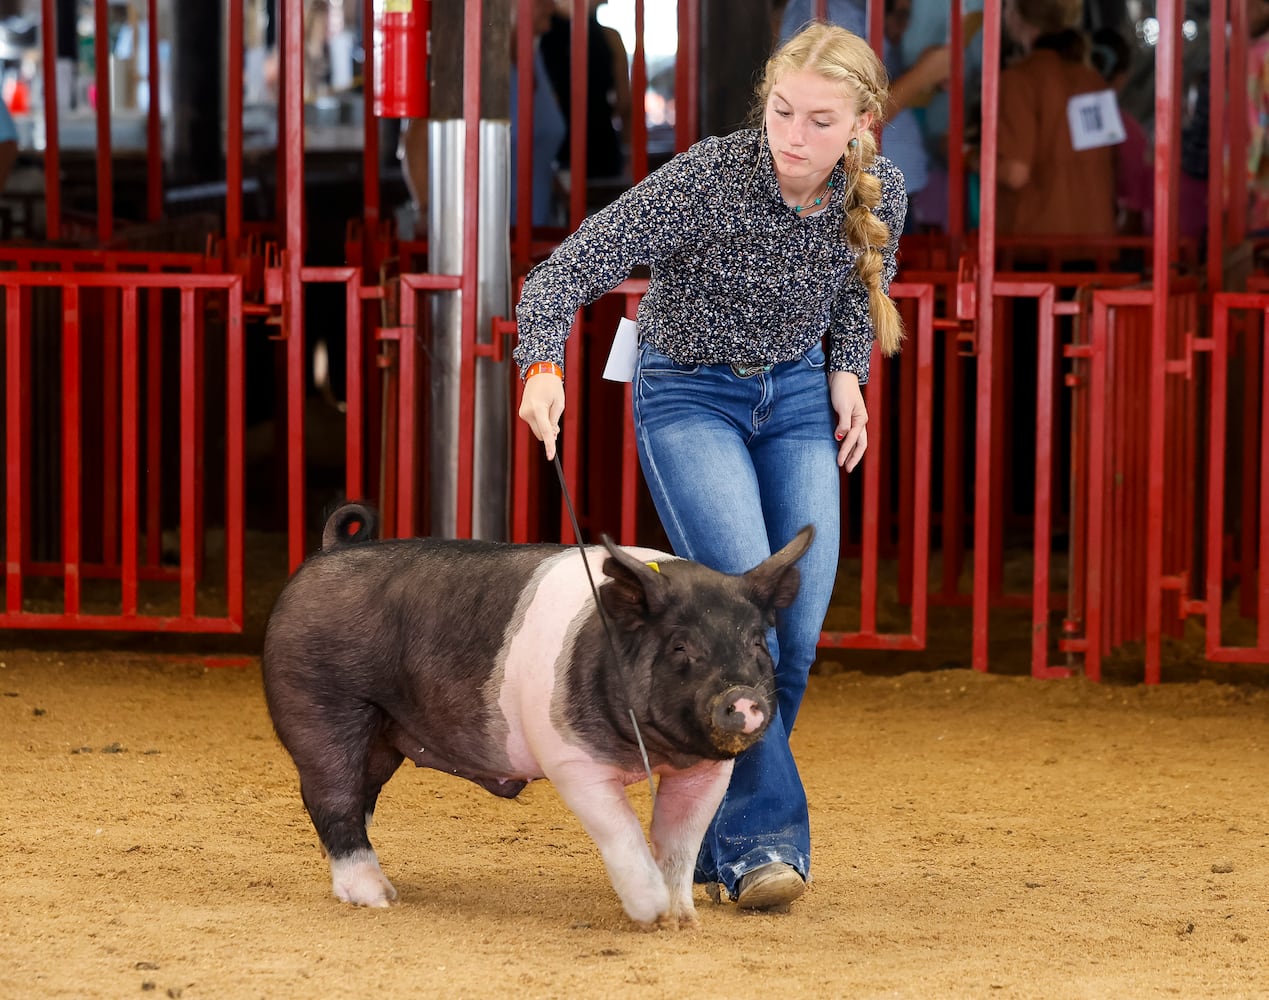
{"type": "Point", "coordinates": [975, 835]}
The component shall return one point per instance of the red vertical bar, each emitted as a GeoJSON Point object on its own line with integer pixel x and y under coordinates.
{"type": "Point", "coordinates": [687, 75]}
{"type": "Point", "coordinates": [908, 374]}
{"type": "Point", "coordinates": [26, 420]}
{"type": "Point", "coordinates": [521, 447]}
{"type": "Point", "coordinates": [986, 303]}
{"type": "Point", "coordinates": [153, 130]}
{"type": "Point", "coordinates": [52, 139]}
{"type": "Point", "coordinates": [1166, 123]}
{"type": "Point", "coordinates": [1119, 385]}
{"type": "Point", "coordinates": [1042, 541]}
{"type": "Point", "coordinates": [14, 491]}
{"type": "Point", "coordinates": [233, 129]}
{"type": "Point", "coordinates": [629, 471]}
{"type": "Point", "coordinates": [953, 465]}
{"type": "Point", "coordinates": [284, 109]}
{"type": "Point", "coordinates": [580, 77]}
{"type": "Point", "coordinates": [109, 427]}
{"type": "Point", "coordinates": [638, 99]}
{"type": "Point", "coordinates": [1216, 150]}
{"type": "Point", "coordinates": [130, 458]}
{"type": "Point", "coordinates": [1077, 545]}
{"type": "Point", "coordinates": [1238, 117]}
{"type": "Point", "coordinates": [1001, 464]}
{"type": "Point", "coordinates": [922, 461]}
{"type": "Point", "coordinates": [154, 429]}
{"type": "Point", "coordinates": [200, 430]}
{"type": "Point", "coordinates": [1249, 500]}
{"type": "Point", "coordinates": [956, 127]}
{"type": "Point", "coordinates": [105, 177]}
{"type": "Point", "coordinates": [370, 137]}
{"type": "Point", "coordinates": [875, 393]}
{"type": "Point", "coordinates": [354, 417]}
{"type": "Point", "coordinates": [629, 450]}
{"type": "Point", "coordinates": [821, 10]}
{"type": "Point", "coordinates": [1217, 421]}
{"type": "Point", "coordinates": [571, 431]}
{"type": "Point", "coordinates": [235, 417]}
{"type": "Point", "coordinates": [189, 444]}
{"type": "Point", "coordinates": [474, 12]}
{"type": "Point", "coordinates": [293, 260]}
{"type": "Point", "coordinates": [523, 221]}
{"type": "Point", "coordinates": [1096, 490]}
{"type": "Point", "coordinates": [1262, 609]}
{"type": "Point", "coordinates": [691, 109]}
{"type": "Point", "coordinates": [72, 448]}
{"type": "Point", "coordinates": [407, 423]}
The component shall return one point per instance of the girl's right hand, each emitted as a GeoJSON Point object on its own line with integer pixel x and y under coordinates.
{"type": "Point", "coordinates": [541, 407]}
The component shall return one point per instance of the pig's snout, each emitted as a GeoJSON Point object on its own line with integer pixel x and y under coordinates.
{"type": "Point", "coordinates": [739, 717]}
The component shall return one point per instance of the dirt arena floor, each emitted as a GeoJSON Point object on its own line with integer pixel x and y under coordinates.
{"type": "Point", "coordinates": [974, 836]}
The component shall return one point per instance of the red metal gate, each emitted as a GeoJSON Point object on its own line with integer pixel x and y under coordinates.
{"type": "Point", "coordinates": [1237, 543]}
{"type": "Point", "coordinates": [106, 565]}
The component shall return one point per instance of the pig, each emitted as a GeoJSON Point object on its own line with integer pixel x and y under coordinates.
{"type": "Point", "coordinates": [491, 661]}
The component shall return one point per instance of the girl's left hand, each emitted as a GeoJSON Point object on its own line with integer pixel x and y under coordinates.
{"type": "Point", "coordinates": [852, 417]}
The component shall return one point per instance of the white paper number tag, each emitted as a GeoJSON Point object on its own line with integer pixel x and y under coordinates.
{"type": "Point", "coordinates": [1094, 120]}
{"type": "Point", "coordinates": [624, 353]}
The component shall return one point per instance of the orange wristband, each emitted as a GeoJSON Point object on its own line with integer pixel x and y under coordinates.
{"type": "Point", "coordinates": [544, 367]}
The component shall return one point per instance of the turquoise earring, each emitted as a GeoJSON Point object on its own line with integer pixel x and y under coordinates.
{"type": "Point", "coordinates": [853, 144]}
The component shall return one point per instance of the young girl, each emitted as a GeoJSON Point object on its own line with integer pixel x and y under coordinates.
{"type": "Point", "coordinates": [771, 251]}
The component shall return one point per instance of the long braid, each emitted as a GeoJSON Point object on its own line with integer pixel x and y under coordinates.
{"type": "Point", "coordinates": [869, 235]}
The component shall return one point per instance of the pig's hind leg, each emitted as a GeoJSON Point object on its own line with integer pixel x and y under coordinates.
{"type": "Point", "coordinates": [341, 774]}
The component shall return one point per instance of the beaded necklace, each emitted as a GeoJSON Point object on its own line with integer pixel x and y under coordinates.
{"type": "Point", "coordinates": [798, 209]}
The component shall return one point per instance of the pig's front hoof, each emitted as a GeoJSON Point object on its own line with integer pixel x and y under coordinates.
{"type": "Point", "coordinates": [674, 922]}
{"type": "Point", "coordinates": [357, 879]}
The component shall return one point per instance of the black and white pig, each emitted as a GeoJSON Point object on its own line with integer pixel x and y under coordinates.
{"type": "Point", "coordinates": [490, 661]}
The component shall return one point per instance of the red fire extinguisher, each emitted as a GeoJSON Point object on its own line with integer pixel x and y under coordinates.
{"type": "Point", "coordinates": [400, 58]}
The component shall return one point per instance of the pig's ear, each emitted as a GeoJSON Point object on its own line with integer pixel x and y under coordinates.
{"type": "Point", "coordinates": [775, 581]}
{"type": "Point", "coordinates": [635, 589]}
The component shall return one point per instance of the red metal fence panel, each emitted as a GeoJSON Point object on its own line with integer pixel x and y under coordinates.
{"type": "Point", "coordinates": [109, 335]}
{"type": "Point", "coordinates": [1238, 527]}
{"type": "Point", "coordinates": [1111, 537]}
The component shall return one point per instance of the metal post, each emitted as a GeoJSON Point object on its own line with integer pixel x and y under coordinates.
{"type": "Point", "coordinates": [468, 405]}
{"type": "Point", "coordinates": [1165, 75]}
{"type": "Point", "coordinates": [986, 306]}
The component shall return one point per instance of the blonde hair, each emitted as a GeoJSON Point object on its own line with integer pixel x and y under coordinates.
{"type": "Point", "coordinates": [844, 58]}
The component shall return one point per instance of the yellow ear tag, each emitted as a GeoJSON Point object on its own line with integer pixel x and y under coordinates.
{"type": "Point", "coordinates": [655, 567]}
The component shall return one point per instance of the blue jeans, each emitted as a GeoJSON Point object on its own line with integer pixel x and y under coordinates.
{"type": "Point", "coordinates": [736, 467]}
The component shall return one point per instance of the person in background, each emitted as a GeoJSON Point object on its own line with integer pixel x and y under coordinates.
{"type": "Point", "coordinates": [549, 124]}
{"type": "Point", "coordinates": [901, 139]}
{"type": "Point", "coordinates": [930, 25]}
{"type": "Point", "coordinates": [1045, 185]}
{"type": "Point", "coordinates": [621, 96]}
{"type": "Point", "coordinates": [1134, 170]}
{"type": "Point", "coordinates": [771, 252]}
{"type": "Point", "coordinates": [604, 121]}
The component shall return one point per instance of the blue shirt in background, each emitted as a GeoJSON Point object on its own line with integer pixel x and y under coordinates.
{"type": "Point", "coordinates": [549, 129]}
{"type": "Point", "coordinates": [8, 132]}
